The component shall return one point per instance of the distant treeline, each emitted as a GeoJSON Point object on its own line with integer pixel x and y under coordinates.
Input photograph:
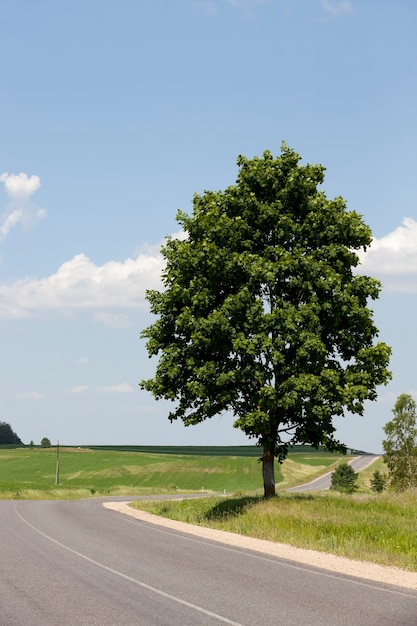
{"type": "Point", "coordinates": [249, 451]}
{"type": "Point", "coordinates": [189, 450]}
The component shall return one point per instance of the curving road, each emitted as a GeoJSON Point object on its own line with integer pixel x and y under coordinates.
{"type": "Point", "coordinates": [76, 563]}
{"type": "Point", "coordinates": [323, 482]}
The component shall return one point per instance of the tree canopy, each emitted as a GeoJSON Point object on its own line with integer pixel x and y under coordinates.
{"type": "Point", "coordinates": [400, 445]}
{"type": "Point", "coordinates": [7, 435]}
{"type": "Point", "coordinates": [262, 314]}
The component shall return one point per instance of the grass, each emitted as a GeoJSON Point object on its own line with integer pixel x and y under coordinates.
{"type": "Point", "coordinates": [364, 526]}
{"type": "Point", "coordinates": [28, 473]}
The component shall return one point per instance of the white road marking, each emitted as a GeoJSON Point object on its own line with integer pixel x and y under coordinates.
{"type": "Point", "coordinates": [135, 581]}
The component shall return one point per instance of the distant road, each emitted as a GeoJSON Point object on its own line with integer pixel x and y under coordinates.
{"type": "Point", "coordinates": [358, 463]}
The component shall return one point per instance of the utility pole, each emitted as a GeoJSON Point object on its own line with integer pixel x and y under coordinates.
{"type": "Point", "coordinates": [57, 465]}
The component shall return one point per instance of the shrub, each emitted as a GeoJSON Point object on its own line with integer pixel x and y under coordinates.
{"type": "Point", "coordinates": [344, 479]}
{"type": "Point", "coordinates": [378, 482]}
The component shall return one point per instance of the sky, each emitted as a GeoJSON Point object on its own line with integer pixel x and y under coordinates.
{"type": "Point", "coordinates": [113, 113]}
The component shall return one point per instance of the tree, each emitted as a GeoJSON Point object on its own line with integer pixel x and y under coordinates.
{"type": "Point", "coordinates": [45, 442]}
{"type": "Point", "coordinates": [378, 482]}
{"type": "Point", "coordinates": [344, 478]}
{"type": "Point", "coordinates": [7, 435]}
{"type": "Point", "coordinates": [261, 313]}
{"type": "Point", "coordinates": [400, 445]}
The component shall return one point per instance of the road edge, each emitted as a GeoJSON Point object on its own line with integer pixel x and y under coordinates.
{"type": "Point", "coordinates": [359, 569]}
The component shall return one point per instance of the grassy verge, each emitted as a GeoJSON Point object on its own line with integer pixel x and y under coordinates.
{"type": "Point", "coordinates": [375, 528]}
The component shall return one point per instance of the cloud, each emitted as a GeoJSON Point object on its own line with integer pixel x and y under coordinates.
{"type": "Point", "coordinates": [20, 185]}
{"type": "Point", "coordinates": [20, 209]}
{"type": "Point", "coordinates": [208, 7]}
{"type": "Point", "coordinates": [79, 284]}
{"type": "Point", "coordinates": [339, 7]}
{"type": "Point", "coordinates": [393, 258]}
{"type": "Point", "coordinates": [30, 395]}
{"type": "Point", "coordinates": [78, 389]}
{"type": "Point", "coordinates": [121, 388]}
{"type": "Point", "coordinates": [247, 8]}
{"type": "Point", "coordinates": [113, 320]}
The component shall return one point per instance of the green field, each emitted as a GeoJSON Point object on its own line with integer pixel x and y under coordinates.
{"type": "Point", "coordinates": [30, 472]}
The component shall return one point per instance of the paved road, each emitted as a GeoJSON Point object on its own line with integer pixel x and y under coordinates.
{"type": "Point", "coordinates": [323, 482]}
{"type": "Point", "coordinates": [76, 563]}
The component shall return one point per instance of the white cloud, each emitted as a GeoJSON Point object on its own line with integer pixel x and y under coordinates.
{"type": "Point", "coordinates": [246, 7]}
{"type": "Point", "coordinates": [121, 388]}
{"type": "Point", "coordinates": [208, 7]}
{"type": "Point", "coordinates": [78, 389]}
{"type": "Point", "coordinates": [20, 185]}
{"type": "Point", "coordinates": [249, 8]}
{"type": "Point", "coordinates": [20, 210]}
{"type": "Point", "coordinates": [393, 258]}
{"type": "Point", "coordinates": [113, 320]}
{"type": "Point", "coordinates": [80, 284]}
{"type": "Point", "coordinates": [30, 395]}
{"type": "Point", "coordinates": [339, 7]}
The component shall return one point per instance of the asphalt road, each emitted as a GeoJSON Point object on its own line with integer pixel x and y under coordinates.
{"type": "Point", "coordinates": [324, 481]}
{"type": "Point", "coordinates": [76, 563]}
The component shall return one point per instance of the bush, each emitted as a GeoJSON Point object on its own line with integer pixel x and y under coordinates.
{"type": "Point", "coordinates": [344, 479]}
{"type": "Point", "coordinates": [45, 443]}
{"type": "Point", "coordinates": [378, 482]}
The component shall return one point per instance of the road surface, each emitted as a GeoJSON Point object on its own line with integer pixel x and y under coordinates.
{"type": "Point", "coordinates": [324, 481]}
{"type": "Point", "coordinates": [71, 563]}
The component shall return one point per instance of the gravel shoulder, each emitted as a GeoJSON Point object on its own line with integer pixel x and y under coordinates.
{"type": "Point", "coordinates": [359, 569]}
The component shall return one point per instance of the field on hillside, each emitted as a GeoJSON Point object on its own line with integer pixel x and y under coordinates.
{"type": "Point", "coordinates": [31, 472]}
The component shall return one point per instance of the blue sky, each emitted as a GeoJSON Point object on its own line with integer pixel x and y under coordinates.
{"type": "Point", "coordinates": [113, 113]}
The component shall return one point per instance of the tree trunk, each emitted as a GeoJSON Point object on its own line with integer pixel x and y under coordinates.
{"type": "Point", "coordinates": [268, 473]}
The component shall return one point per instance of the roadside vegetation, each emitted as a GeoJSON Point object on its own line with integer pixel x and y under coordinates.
{"type": "Point", "coordinates": [378, 528]}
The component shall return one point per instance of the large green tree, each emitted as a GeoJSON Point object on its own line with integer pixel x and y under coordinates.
{"type": "Point", "coordinates": [400, 445]}
{"type": "Point", "coordinates": [261, 313]}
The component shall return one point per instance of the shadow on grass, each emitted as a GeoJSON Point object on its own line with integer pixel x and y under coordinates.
{"type": "Point", "coordinates": [233, 507]}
